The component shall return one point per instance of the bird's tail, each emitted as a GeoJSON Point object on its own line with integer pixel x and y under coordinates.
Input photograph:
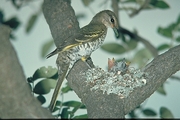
{"type": "Point", "coordinates": [61, 77]}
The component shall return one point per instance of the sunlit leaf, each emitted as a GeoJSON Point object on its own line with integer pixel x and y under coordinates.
{"type": "Point", "coordinates": [149, 112]}
{"type": "Point", "coordinates": [113, 48]}
{"type": "Point", "coordinates": [165, 113]}
{"type": "Point", "coordinates": [80, 116]}
{"type": "Point", "coordinates": [31, 22]}
{"type": "Point", "coordinates": [44, 86]}
{"type": "Point", "coordinates": [161, 90]}
{"type": "Point", "coordinates": [44, 72]}
{"type": "Point", "coordinates": [46, 47]}
{"type": "Point", "coordinates": [163, 47]}
{"type": "Point", "coordinates": [159, 4]}
{"type": "Point", "coordinates": [41, 99]}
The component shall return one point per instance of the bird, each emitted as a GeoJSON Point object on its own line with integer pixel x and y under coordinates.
{"type": "Point", "coordinates": [88, 39]}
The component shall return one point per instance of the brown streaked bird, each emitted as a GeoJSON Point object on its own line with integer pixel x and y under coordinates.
{"type": "Point", "coordinates": [90, 38]}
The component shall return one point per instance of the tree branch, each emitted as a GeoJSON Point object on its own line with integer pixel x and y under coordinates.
{"type": "Point", "coordinates": [16, 100]}
{"type": "Point", "coordinates": [101, 105]}
{"type": "Point", "coordinates": [146, 3]}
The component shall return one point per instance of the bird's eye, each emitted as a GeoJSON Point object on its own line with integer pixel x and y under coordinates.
{"type": "Point", "coordinates": [112, 20]}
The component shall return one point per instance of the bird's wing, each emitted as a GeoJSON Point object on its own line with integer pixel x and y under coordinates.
{"type": "Point", "coordinates": [91, 32]}
{"type": "Point", "coordinates": [88, 33]}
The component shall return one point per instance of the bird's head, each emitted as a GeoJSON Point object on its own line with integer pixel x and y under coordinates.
{"type": "Point", "coordinates": [109, 19]}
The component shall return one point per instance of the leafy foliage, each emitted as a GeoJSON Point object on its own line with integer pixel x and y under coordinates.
{"type": "Point", "coordinates": [46, 76]}
{"type": "Point", "coordinates": [165, 113]}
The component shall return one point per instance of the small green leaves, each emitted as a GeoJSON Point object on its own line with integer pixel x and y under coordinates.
{"type": "Point", "coordinates": [44, 86]}
{"type": "Point", "coordinates": [31, 22]}
{"type": "Point", "coordinates": [163, 47]}
{"type": "Point", "coordinates": [166, 32]}
{"type": "Point", "coordinates": [41, 99]}
{"type": "Point", "coordinates": [65, 113]}
{"type": "Point", "coordinates": [159, 4]}
{"type": "Point", "coordinates": [171, 31]}
{"type": "Point", "coordinates": [113, 48]}
{"type": "Point", "coordinates": [161, 90]}
{"type": "Point", "coordinates": [44, 72]}
{"type": "Point", "coordinates": [165, 113]}
{"type": "Point", "coordinates": [149, 112]}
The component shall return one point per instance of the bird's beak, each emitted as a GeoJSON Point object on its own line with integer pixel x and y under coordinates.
{"type": "Point", "coordinates": [116, 31]}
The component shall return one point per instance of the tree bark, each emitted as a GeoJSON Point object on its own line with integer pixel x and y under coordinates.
{"type": "Point", "coordinates": [101, 105]}
{"type": "Point", "coordinates": [16, 100]}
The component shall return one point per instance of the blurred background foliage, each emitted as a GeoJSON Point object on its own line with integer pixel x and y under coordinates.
{"type": "Point", "coordinates": [46, 77]}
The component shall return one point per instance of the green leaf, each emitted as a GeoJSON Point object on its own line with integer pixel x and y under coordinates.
{"type": "Point", "coordinates": [80, 116]}
{"type": "Point", "coordinates": [163, 47]}
{"type": "Point", "coordinates": [80, 15]}
{"type": "Point", "coordinates": [13, 23]}
{"type": "Point", "coordinates": [165, 113]}
{"type": "Point", "coordinates": [159, 4]}
{"type": "Point", "coordinates": [58, 103]}
{"type": "Point", "coordinates": [132, 44]}
{"type": "Point", "coordinates": [166, 32]}
{"type": "Point", "coordinates": [44, 72]}
{"type": "Point", "coordinates": [149, 112]}
{"type": "Point", "coordinates": [41, 99]}
{"type": "Point", "coordinates": [44, 86]}
{"type": "Point", "coordinates": [74, 104]}
{"type": "Point", "coordinates": [46, 47]}
{"type": "Point", "coordinates": [31, 23]}
{"type": "Point", "coordinates": [161, 90]}
{"type": "Point", "coordinates": [178, 39]}
{"type": "Point", "coordinates": [178, 20]}
{"type": "Point", "coordinates": [66, 89]}
{"type": "Point", "coordinates": [55, 109]}
{"type": "Point", "coordinates": [64, 113]}
{"type": "Point", "coordinates": [142, 56]}
{"type": "Point", "coordinates": [113, 48]}
{"type": "Point", "coordinates": [87, 2]}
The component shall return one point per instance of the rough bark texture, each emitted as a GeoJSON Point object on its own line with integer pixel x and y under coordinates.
{"type": "Point", "coordinates": [101, 105]}
{"type": "Point", "coordinates": [16, 100]}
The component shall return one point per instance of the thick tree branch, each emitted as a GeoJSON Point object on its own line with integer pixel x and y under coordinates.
{"type": "Point", "coordinates": [101, 105]}
{"type": "Point", "coordinates": [16, 100]}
